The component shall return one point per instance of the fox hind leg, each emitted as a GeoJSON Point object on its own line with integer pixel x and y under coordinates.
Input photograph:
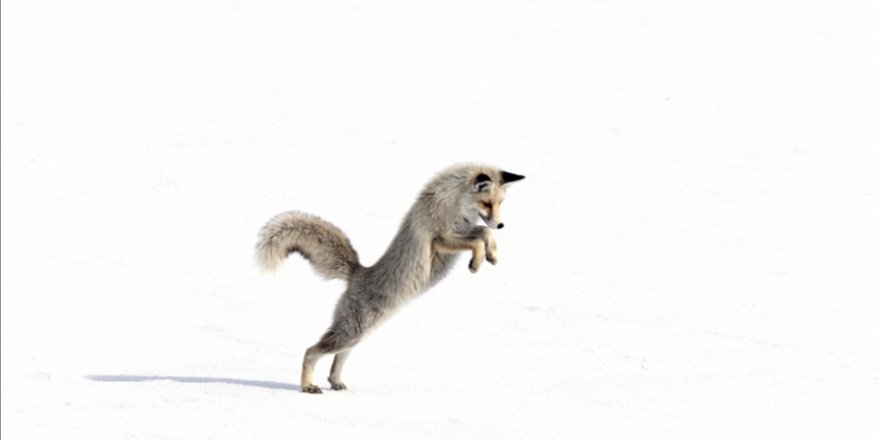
{"type": "Point", "coordinates": [313, 354]}
{"type": "Point", "coordinates": [331, 342]}
{"type": "Point", "coordinates": [336, 370]}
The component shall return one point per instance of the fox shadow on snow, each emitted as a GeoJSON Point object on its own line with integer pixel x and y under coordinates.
{"type": "Point", "coordinates": [190, 379]}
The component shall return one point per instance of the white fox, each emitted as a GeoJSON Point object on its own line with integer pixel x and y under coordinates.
{"type": "Point", "coordinates": [441, 223]}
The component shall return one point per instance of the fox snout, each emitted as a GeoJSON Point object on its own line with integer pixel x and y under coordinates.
{"type": "Point", "coordinates": [492, 223]}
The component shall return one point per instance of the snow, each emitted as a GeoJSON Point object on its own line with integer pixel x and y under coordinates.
{"type": "Point", "coordinates": [693, 253]}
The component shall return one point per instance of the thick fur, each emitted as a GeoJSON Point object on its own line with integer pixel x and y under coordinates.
{"type": "Point", "coordinates": [441, 223]}
{"type": "Point", "coordinates": [324, 245]}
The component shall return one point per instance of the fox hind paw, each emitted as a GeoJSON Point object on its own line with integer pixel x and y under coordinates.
{"type": "Point", "coordinates": [311, 389]}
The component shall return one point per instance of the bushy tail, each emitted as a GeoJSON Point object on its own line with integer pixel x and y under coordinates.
{"type": "Point", "coordinates": [324, 245]}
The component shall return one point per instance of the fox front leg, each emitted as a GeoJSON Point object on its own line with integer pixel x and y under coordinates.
{"type": "Point", "coordinates": [491, 246]}
{"type": "Point", "coordinates": [476, 241]}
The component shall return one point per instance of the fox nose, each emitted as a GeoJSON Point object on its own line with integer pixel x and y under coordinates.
{"type": "Point", "coordinates": [500, 225]}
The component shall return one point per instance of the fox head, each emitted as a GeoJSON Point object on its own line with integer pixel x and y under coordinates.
{"type": "Point", "coordinates": [488, 193]}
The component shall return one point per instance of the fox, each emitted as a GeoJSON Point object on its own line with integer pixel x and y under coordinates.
{"type": "Point", "coordinates": [441, 224]}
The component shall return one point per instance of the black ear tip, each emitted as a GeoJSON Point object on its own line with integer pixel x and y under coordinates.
{"type": "Point", "coordinates": [511, 177]}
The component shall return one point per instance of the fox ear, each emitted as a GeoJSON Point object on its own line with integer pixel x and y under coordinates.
{"type": "Point", "coordinates": [510, 177]}
{"type": "Point", "coordinates": [482, 182]}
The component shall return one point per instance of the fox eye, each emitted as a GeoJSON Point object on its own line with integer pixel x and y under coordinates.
{"type": "Point", "coordinates": [486, 205]}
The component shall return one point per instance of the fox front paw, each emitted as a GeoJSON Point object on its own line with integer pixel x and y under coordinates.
{"type": "Point", "coordinates": [338, 386]}
{"type": "Point", "coordinates": [474, 266]}
{"type": "Point", "coordinates": [492, 258]}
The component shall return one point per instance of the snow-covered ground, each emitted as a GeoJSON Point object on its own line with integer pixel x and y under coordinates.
{"type": "Point", "coordinates": [693, 254]}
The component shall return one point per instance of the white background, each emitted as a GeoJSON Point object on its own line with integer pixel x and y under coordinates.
{"type": "Point", "coordinates": [693, 254]}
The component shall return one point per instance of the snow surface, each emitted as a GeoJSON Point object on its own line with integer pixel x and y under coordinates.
{"type": "Point", "coordinates": [693, 254]}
